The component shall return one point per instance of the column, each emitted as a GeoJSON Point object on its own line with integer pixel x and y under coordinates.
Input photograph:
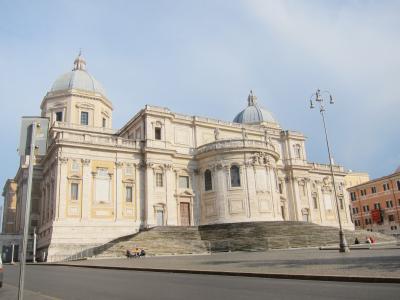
{"type": "Point", "coordinates": [195, 205]}
{"type": "Point", "coordinates": [139, 199]}
{"type": "Point", "coordinates": [276, 198]}
{"type": "Point", "coordinates": [149, 186]}
{"type": "Point", "coordinates": [86, 188]}
{"type": "Point", "coordinates": [250, 192]}
{"type": "Point", "coordinates": [119, 194]}
{"type": "Point", "coordinates": [62, 188]}
{"type": "Point", "coordinates": [169, 188]}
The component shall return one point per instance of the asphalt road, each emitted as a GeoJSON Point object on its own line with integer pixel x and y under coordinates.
{"type": "Point", "coordinates": [49, 282]}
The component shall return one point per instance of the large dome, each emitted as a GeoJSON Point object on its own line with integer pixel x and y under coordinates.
{"type": "Point", "coordinates": [78, 79]}
{"type": "Point", "coordinates": [253, 113]}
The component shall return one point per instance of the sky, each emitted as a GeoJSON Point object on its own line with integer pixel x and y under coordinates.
{"type": "Point", "coordinates": [203, 57]}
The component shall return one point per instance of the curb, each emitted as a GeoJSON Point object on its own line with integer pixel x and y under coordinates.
{"type": "Point", "coordinates": [244, 274]}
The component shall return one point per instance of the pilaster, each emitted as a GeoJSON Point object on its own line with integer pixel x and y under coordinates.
{"type": "Point", "coordinates": [118, 205]}
{"type": "Point", "coordinates": [63, 187]}
{"type": "Point", "coordinates": [86, 187]}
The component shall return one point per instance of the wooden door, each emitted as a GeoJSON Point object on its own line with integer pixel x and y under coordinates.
{"type": "Point", "coordinates": [185, 214]}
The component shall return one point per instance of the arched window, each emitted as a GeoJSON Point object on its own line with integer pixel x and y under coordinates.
{"type": "Point", "coordinates": [207, 180]}
{"type": "Point", "coordinates": [235, 176]}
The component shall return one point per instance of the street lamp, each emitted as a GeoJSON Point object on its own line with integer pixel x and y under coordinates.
{"type": "Point", "coordinates": [317, 97]}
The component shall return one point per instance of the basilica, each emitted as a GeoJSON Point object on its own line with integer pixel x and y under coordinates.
{"type": "Point", "coordinates": [162, 168]}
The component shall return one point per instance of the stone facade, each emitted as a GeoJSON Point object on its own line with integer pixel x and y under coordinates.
{"type": "Point", "coordinates": [355, 178]}
{"type": "Point", "coordinates": [9, 207]}
{"type": "Point", "coordinates": [163, 168]}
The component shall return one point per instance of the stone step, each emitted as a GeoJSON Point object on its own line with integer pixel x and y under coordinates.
{"type": "Point", "coordinates": [255, 236]}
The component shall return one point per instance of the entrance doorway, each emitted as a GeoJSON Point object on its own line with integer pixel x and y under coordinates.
{"type": "Point", "coordinates": [185, 213]}
{"type": "Point", "coordinates": [160, 217]}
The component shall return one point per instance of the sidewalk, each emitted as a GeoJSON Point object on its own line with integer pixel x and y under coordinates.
{"type": "Point", "coordinates": [375, 265]}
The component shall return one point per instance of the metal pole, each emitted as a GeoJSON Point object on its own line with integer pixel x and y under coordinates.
{"type": "Point", "coordinates": [343, 247]}
{"type": "Point", "coordinates": [12, 254]}
{"type": "Point", "coordinates": [34, 244]}
{"type": "Point", "coordinates": [27, 213]}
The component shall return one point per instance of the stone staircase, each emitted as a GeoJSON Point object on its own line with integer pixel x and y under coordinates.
{"type": "Point", "coordinates": [262, 236]}
{"type": "Point", "coordinates": [252, 236]}
{"type": "Point", "coordinates": [158, 241]}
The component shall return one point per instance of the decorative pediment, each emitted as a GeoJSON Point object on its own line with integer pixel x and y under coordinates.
{"type": "Point", "coordinates": [74, 177]}
{"type": "Point", "coordinates": [59, 105]}
{"type": "Point", "coordinates": [186, 193]}
{"type": "Point", "coordinates": [128, 180]}
{"type": "Point", "coordinates": [85, 105]}
{"type": "Point", "coordinates": [105, 113]}
{"type": "Point", "coordinates": [305, 211]}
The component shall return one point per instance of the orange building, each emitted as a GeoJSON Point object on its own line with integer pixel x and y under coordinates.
{"type": "Point", "coordinates": [375, 204]}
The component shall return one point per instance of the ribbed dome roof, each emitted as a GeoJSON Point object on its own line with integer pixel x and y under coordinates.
{"type": "Point", "coordinates": [78, 79]}
{"type": "Point", "coordinates": [253, 113]}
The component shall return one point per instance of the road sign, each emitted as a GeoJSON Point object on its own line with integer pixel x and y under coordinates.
{"type": "Point", "coordinates": [40, 138]}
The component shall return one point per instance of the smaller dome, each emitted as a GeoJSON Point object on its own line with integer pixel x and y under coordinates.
{"type": "Point", "coordinates": [78, 79]}
{"type": "Point", "coordinates": [253, 113]}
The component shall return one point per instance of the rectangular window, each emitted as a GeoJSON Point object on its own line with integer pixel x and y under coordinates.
{"type": "Point", "coordinates": [104, 122]}
{"type": "Point", "coordinates": [341, 203]}
{"type": "Point", "coordinates": [159, 179]}
{"type": "Point", "coordinates": [59, 116]}
{"type": "Point", "coordinates": [386, 186]}
{"type": "Point", "coordinates": [74, 191]}
{"type": "Point", "coordinates": [84, 118]}
{"type": "Point", "coordinates": [157, 133]}
{"type": "Point", "coordinates": [373, 190]}
{"type": "Point", "coordinates": [398, 185]}
{"type": "Point", "coordinates": [128, 194]}
{"type": "Point", "coordinates": [389, 203]}
{"type": "Point", "coordinates": [353, 196]}
{"type": "Point", "coordinates": [391, 218]}
{"type": "Point", "coordinates": [184, 182]}
{"type": "Point", "coordinates": [377, 206]}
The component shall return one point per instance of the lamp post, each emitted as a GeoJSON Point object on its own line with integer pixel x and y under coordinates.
{"type": "Point", "coordinates": [317, 97]}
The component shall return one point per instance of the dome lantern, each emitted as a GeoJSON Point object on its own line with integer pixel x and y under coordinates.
{"type": "Point", "coordinates": [79, 63]}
